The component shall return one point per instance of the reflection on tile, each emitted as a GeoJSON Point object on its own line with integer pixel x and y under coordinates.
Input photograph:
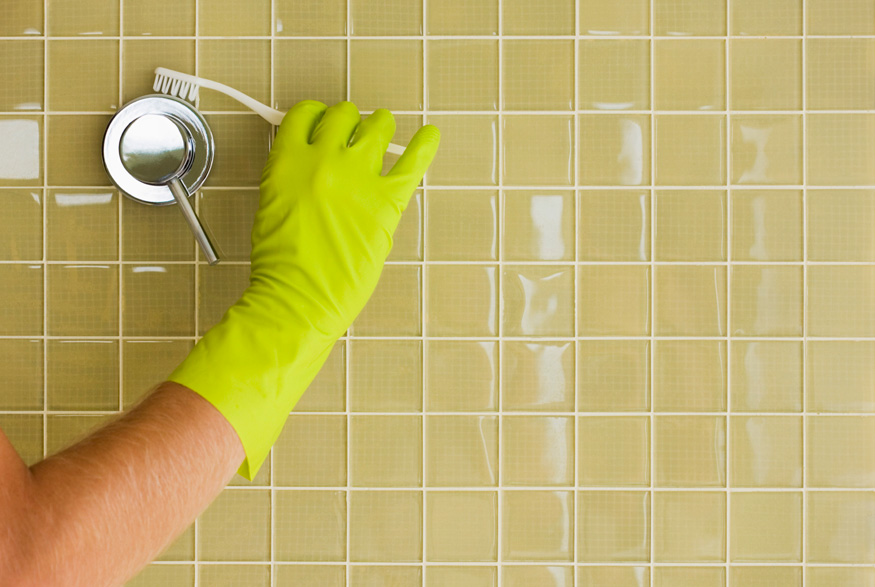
{"type": "Point", "coordinates": [778, 17]}
{"type": "Point", "coordinates": [311, 451]}
{"type": "Point", "coordinates": [766, 149]}
{"type": "Point", "coordinates": [841, 376]}
{"type": "Point", "coordinates": [22, 374]}
{"type": "Point", "coordinates": [148, 363]}
{"type": "Point", "coordinates": [246, 140]}
{"type": "Point", "coordinates": [625, 576]}
{"type": "Point", "coordinates": [230, 18]}
{"type": "Point", "coordinates": [538, 301]}
{"type": "Point", "coordinates": [21, 151]}
{"type": "Point", "coordinates": [841, 451]}
{"type": "Point", "coordinates": [840, 300]}
{"type": "Point", "coordinates": [394, 308]}
{"type": "Point", "coordinates": [462, 376]}
{"type": "Point", "coordinates": [309, 70]}
{"type": "Point", "coordinates": [164, 18]}
{"type": "Point", "coordinates": [155, 233]}
{"type": "Point", "coordinates": [461, 300]}
{"type": "Point", "coordinates": [22, 67]}
{"type": "Point", "coordinates": [158, 300]}
{"type": "Point", "coordinates": [468, 150]}
{"type": "Point", "coordinates": [613, 526]}
{"type": "Point", "coordinates": [231, 575]}
{"type": "Point", "coordinates": [242, 64]}
{"type": "Point", "coordinates": [765, 74]}
{"type": "Point", "coordinates": [690, 150]}
{"type": "Point", "coordinates": [82, 225]}
{"type": "Point", "coordinates": [386, 18]}
{"type": "Point", "coordinates": [82, 375]}
{"type": "Point", "coordinates": [766, 451]}
{"type": "Point", "coordinates": [462, 451]}
{"type": "Point", "coordinates": [548, 17]}
{"type": "Point", "coordinates": [689, 577]}
{"type": "Point", "coordinates": [613, 225]}
{"type": "Point", "coordinates": [689, 376]}
{"type": "Point", "coordinates": [466, 576]}
{"type": "Point", "coordinates": [838, 74]}
{"type": "Point", "coordinates": [311, 575]}
{"type": "Point", "coordinates": [23, 239]}
{"type": "Point", "coordinates": [613, 375]}
{"type": "Point", "coordinates": [461, 526]}
{"type": "Point", "coordinates": [690, 225]}
{"type": "Point", "coordinates": [462, 74]}
{"type": "Point", "coordinates": [462, 225]}
{"type": "Point", "coordinates": [538, 225]}
{"type": "Point", "coordinates": [614, 75]}
{"type": "Point", "coordinates": [689, 75]}
{"type": "Point", "coordinates": [385, 375]}
{"type": "Point", "coordinates": [22, 17]}
{"type": "Point", "coordinates": [767, 225]}
{"type": "Point", "coordinates": [310, 18]}
{"type": "Point", "coordinates": [766, 527]}
{"type": "Point", "coordinates": [839, 225]}
{"type": "Point", "coordinates": [72, 158]}
{"type": "Point", "coordinates": [64, 431]}
{"type": "Point", "coordinates": [327, 392]}
{"type": "Point", "coordinates": [839, 527]}
{"type": "Point", "coordinates": [765, 576]}
{"type": "Point", "coordinates": [219, 288]}
{"type": "Point", "coordinates": [539, 150]}
{"type": "Point", "coordinates": [386, 74]}
{"type": "Point", "coordinates": [614, 149]}
{"type": "Point", "coordinates": [407, 240]}
{"type": "Point", "coordinates": [690, 301]}
{"type": "Point", "coordinates": [462, 17]}
{"type": "Point", "coordinates": [25, 432]}
{"type": "Point", "coordinates": [21, 289]}
{"type": "Point", "coordinates": [766, 376]}
{"type": "Point", "coordinates": [69, 89]}
{"type": "Point", "coordinates": [613, 451]}
{"type": "Point", "coordinates": [94, 18]}
{"type": "Point", "coordinates": [538, 74]}
{"type": "Point", "coordinates": [385, 451]}
{"type": "Point", "coordinates": [689, 17]}
{"type": "Point", "coordinates": [689, 526]}
{"type": "Point", "coordinates": [841, 149]}
{"type": "Point", "coordinates": [299, 516]}
{"type": "Point", "coordinates": [82, 300]}
{"type": "Point", "coordinates": [538, 526]}
{"type": "Point", "coordinates": [538, 451]}
{"type": "Point", "coordinates": [598, 17]}
{"type": "Point", "coordinates": [766, 301]}
{"type": "Point", "coordinates": [228, 216]}
{"type": "Point", "coordinates": [690, 451]}
{"type": "Point", "coordinates": [613, 300]}
{"type": "Point", "coordinates": [236, 526]}
{"type": "Point", "coordinates": [538, 377]}
{"type": "Point", "coordinates": [385, 526]}
{"type": "Point", "coordinates": [841, 17]}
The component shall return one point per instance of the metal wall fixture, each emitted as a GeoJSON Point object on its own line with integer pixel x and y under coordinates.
{"type": "Point", "coordinates": [158, 150]}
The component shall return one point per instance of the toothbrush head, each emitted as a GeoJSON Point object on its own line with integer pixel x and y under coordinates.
{"type": "Point", "coordinates": [174, 83]}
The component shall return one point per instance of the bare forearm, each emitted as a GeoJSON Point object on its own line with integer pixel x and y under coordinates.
{"type": "Point", "coordinates": [105, 507]}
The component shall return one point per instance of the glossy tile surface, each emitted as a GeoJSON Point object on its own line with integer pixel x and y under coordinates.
{"type": "Point", "coordinates": [641, 259]}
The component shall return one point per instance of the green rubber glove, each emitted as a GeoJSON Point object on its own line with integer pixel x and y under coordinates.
{"type": "Point", "coordinates": [321, 235]}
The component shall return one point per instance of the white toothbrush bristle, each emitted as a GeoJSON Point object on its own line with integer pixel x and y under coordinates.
{"type": "Point", "coordinates": [175, 87]}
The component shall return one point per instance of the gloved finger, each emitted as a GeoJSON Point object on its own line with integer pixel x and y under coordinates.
{"type": "Point", "coordinates": [299, 122]}
{"type": "Point", "coordinates": [337, 125]}
{"type": "Point", "coordinates": [418, 155]}
{"type": "Point", "coordinates": [377, 128]}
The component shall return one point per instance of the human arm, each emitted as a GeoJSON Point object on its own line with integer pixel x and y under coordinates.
{"type": "Point", "coordinates": [99, 511]}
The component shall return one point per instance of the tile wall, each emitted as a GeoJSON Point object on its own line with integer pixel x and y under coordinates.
{"type": "Point", "coordinates": [626, 334]}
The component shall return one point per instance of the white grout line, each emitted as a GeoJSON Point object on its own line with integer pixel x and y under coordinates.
{"type": "Point", "coordinates": [576, 211]}
{"type": "Point", "coordinates": [652, 223]}
{"type": "Point", "coordinates": [44, 166]}
{"type": "Point", "coordinates": [423, 308]}
{"type": "Point", "coordinates": [606, 38]}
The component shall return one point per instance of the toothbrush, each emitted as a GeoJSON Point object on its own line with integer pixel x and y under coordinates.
{"type": "Point", "coordinates": [174, 83]}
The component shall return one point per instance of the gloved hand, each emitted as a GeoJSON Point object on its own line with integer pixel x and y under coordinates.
{"type": "Point", "coordinates": [321, 235]}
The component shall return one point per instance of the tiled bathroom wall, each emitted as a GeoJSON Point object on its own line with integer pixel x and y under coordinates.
{"type": "Point", "coordinates": [626, 336]}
